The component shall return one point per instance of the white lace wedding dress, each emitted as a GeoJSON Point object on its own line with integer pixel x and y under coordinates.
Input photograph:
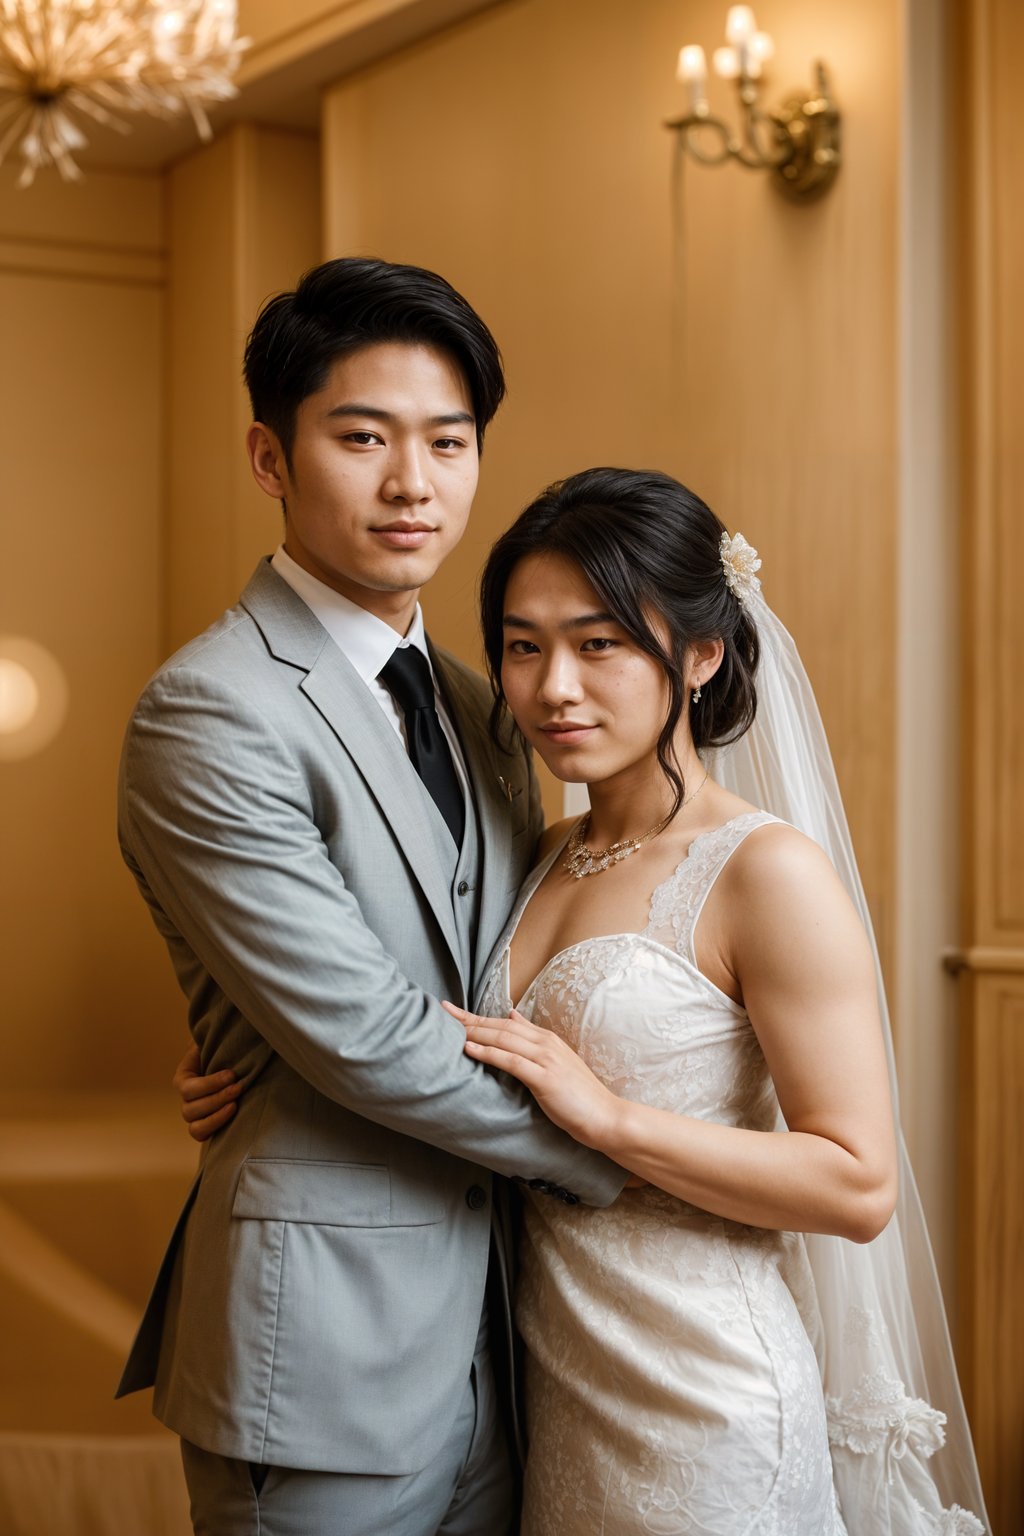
{"type": "Point", "coordinates": [672, 1386]}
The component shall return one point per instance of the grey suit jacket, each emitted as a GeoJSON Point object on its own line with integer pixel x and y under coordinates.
{"type": "Point", "coordinates": [320, 1299]}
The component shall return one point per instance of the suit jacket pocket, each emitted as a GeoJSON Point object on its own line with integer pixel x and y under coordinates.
{"type": "Point", "coordinates": [326, 1194]}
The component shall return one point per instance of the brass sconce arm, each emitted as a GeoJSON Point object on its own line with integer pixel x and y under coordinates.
{"type": "Point", "coordinates": [798, 142]}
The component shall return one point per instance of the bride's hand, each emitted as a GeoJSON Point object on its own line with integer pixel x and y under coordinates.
{"type": "Point", "coordinates": [207, 1103]}
{"type": "Point", "coordinates": [563, 1085]}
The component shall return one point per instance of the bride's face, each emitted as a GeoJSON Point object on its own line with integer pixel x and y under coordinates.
{"type": "Point", "coordinates": [586, 698]}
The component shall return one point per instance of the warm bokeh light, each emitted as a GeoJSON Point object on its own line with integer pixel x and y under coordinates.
{"type": "Point", "coordinates": [19, 696]}
{"type": "Point", "coordinates": [33, 697]}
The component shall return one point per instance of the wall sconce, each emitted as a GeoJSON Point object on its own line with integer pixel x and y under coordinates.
{"type": "Point", "coordinates": [798, 142]}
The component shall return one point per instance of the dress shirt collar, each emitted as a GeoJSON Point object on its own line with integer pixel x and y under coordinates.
{"type": "Point", "coordinates": [366, 641]}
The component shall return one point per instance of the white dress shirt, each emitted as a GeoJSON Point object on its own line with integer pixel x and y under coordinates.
{"type": "Point", "coordinates": [369, 644]}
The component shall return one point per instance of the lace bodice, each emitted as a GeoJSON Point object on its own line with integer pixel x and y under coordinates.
{"type": "Point", "coordinates": [695, 1053]}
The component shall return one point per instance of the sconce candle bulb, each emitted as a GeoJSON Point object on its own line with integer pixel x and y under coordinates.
{"type": "Point", "coordinates": [692, 63]}
{"type": "Point", "coordinates": [740, 24]}
{"type": "Point", "coordinates": [798, 142]}
{"type": "Point", "coordinates": [762, 47]}
{"type": "Point", "coordinates": [693, 72]}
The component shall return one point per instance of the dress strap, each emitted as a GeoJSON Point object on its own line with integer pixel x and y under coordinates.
{"type": "Point", "coordinates": [679, 901]}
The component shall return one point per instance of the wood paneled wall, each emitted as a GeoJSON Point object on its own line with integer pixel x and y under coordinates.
{"type": "Point", "coordinates": [990, 41]}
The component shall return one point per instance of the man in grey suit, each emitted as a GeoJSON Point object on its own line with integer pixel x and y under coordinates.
{"type": "Point", "coordinates": [329, 841]}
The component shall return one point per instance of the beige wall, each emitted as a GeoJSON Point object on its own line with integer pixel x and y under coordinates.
{"type": "Point", "coordinates": [87, 996]}
{"type": "Point", "coordinates": [741, 343]}
{"type": "Point", "coordinates": [129, 521]}
{"type": "Point", "coordinates": [243, 217]}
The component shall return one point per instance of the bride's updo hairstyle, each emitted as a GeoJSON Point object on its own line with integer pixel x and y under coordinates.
{"type": "Point", "coordinates": [651, 551]}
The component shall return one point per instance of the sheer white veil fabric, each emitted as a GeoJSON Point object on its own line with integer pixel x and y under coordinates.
{"type": "Point", "coordinates": [901, 1446]}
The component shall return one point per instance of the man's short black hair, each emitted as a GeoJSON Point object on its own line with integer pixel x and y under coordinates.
{"type": "Point", "coordinates": [356, 302]}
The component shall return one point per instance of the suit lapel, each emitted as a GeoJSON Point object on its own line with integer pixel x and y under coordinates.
{"type": "Point", "coordinates": [493, 806]}
{"type": "Point", "coordinates": [336, 690]}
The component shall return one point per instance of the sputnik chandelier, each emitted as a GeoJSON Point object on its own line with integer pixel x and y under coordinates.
{"type": "Point", "coordinates": [64, 62]}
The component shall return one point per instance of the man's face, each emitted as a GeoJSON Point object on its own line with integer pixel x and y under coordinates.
{"type": "Point", "coordinates": [383, 470]}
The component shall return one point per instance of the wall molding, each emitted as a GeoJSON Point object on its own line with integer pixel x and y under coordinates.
{"type": "Point", "coordinates": [984, 959]}
{"type": "Point", "coordinates": [79, 260]}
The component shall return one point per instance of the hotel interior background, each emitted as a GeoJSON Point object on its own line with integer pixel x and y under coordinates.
{"type": "Point", "coordinates": [839, 379]}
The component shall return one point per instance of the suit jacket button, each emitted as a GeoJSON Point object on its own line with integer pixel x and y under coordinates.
{"type": "Point", "coordinates": [464, 887]}
{"type": "Point", "coordinates": [476, 1198]}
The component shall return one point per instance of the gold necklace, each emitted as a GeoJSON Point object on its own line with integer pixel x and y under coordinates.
{"type": "Point", "coordinates": [581, 861]}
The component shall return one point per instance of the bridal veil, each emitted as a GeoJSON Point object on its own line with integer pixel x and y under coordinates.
{"type": "Point", "coordinates": [901, 1446]}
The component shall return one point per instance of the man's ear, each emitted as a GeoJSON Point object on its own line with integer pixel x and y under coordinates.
{"type": "Point", "coordinates": [267, 460]}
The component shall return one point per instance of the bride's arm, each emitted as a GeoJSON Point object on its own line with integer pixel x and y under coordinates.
{"type": "Point", "coordinates": [806, 975]}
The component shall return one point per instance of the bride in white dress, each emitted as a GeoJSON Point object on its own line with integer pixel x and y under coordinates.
{"type": "Point", "coordinates": [695, 995]}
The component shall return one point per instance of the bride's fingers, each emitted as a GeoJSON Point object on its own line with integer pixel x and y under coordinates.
{"type": "Point", "coordinates": [462, 1014]}
{"type": "Point", "coordinates": [202, 1130]}
{"type": "Point", "coordinates": [193, 1089]}
{"type": "Point", "coordinates": [206, 1104]}
{"type": "Point", "coordinates": [513, 1044]}
{"type": "Point", "coordinates": [513, 1062]}
{"type": "Point", "coordinates": [474, 1021]}
{"type": "Point", "coordinates": [188, 1068]}
{"type": "Point", "coordinates": [190, 1082]}
{"type": "Point", "coordinates": [533, 1047]}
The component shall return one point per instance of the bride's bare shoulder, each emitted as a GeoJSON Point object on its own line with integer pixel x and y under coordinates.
{"type": "Point", "coordinates": [779, 877]}
{"type": "Point", "coordinates": [775, 854]}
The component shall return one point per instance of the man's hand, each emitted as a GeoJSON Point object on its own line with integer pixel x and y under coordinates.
{"type": "Point", "coordinates": [207, 1103]}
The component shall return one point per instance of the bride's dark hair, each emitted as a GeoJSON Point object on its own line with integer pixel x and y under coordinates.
{"type": "Point", "coordinates": [651, 550]}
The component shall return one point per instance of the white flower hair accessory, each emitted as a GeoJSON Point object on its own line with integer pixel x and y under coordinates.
{"type": "Point", "coordinates": [741, 562]}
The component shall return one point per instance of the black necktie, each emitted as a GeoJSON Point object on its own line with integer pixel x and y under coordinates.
{"type": "Point", "coordinates": [407, 677]}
